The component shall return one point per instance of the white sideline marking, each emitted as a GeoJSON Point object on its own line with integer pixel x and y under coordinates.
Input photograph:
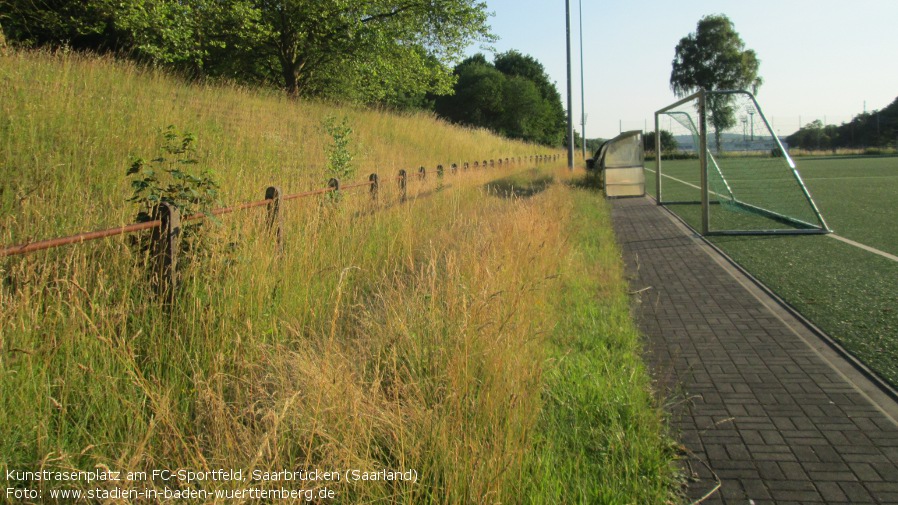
{"type": "Point", "coordinates": [830, 235]}
{"type": "Point", "coordinates": [849, 177]}
{"type": "Point", "coordinates": [864, 247]}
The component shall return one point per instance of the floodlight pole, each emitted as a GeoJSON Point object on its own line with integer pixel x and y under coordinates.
{"type": "Point", "coordinates": [570, 104]}
{"type": "Point", "coordinates": [582, 87]}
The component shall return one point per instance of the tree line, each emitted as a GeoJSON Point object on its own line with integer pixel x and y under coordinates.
{"type": "Point", "coordinates": [392, 53]}
{"type": "Point", "coordinates": [372, 51]}
{"type": "Point", "coordinates": [868, 129]}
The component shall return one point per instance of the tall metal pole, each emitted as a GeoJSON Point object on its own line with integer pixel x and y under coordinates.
{"type": "Point", "coordinates": [703, 158]}
{"type": "Point", "coordinates": [570, 104]}
{"type": "Point", "coordinates": [582, 87]}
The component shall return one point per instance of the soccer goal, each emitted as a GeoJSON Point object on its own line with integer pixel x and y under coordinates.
{"type": "Point", "coordinates": [721, 167]}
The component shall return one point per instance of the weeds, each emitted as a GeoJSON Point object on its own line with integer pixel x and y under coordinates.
{"type": "Point", "coordinates": [167, 179]}
{"type": "Point", "coordinates": [425, 336]}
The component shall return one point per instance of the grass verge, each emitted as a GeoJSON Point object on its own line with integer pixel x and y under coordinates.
{"type": "Point", "coordinates": [599, 429]}
{"type": "Point", "coordinates": [477, 335]}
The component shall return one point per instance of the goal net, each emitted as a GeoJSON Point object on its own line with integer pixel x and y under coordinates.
{"type": "Point", "coordinates": [722, 168]}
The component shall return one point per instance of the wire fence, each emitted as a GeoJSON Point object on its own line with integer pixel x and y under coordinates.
{"type": "Point", "coordinates": [166, 220]}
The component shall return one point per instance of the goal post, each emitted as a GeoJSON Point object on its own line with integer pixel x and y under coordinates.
{"type": "Point", "coordinates": [720, 164]}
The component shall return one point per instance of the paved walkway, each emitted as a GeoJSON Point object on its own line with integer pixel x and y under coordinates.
{"type": "Point", "coordinates": [763, 406]}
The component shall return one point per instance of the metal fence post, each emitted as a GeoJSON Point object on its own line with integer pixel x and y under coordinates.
{"type": "Point", "coordinates": [166, 243]}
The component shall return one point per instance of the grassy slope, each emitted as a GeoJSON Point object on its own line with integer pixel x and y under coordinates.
{"type": "Point", "coordinates": [70, 125]}
{"type": "Point", "coordinates": [477, 334]}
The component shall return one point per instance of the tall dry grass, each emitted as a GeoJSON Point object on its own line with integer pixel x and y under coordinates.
{"type": "Point", "coordinates": [70, 124]}
{"type": "Point", "coordinates": [432, 336]}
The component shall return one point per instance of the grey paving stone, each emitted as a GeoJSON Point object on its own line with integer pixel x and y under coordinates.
{"type": "Point", "coordinates": [775, 422]}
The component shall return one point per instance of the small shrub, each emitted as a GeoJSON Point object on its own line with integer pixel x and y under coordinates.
{"type": "Point", "coordinates": [339, 153]}
{"type": "Point", "coordinates": [167, 179]}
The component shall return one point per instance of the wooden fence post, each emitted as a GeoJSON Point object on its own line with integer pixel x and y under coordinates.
{"type": "Point", "coordinates": [375, 186]}
{"type": "Point", "coordinates": [453, 168]}
{"type": "Point", "coordinates": [422, 173]}
{"type": "Point", "coordinates": [273, 193]}
{"type": "Point", "coordinates": [439, 171]}
{"type": "Point", "coordinates": [165, 246]}
{"type": "Point", "coordinates": [403, 178]}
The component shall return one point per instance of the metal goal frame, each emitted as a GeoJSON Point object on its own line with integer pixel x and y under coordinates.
{"type": "Point", "coordinates": [707, 160]}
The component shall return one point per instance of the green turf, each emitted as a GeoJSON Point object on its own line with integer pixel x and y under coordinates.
{"type": "Point", "coordinates": [857, 197]}
{"type": "Point", "coordinates": [850, 293]}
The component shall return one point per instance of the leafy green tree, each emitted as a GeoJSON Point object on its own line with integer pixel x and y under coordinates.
{"type": "Point", "coordinates": [513, 63]}
{"type": "Point", "coordinates": [668, 142]}
{"type": "Point", "coordinates": [88, 24]}
{"type": "Point", "coordinates": [714, 58]}
{"type": "Point", "coordinates": [518, 102]}
{"type": "Point", "coordinates": [593, 145]}
{"type": "Point", "coordinates": [478, 97]}
{"type": "Point", "coordinates": [371, 51]}
{"type": "Point", "coordinates": [523, 108]}
{"type": "Point", "coordinates": [312, 47]}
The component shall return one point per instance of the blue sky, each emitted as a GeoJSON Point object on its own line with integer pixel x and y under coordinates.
{"type": "Point", "coordinates": [820, 59]}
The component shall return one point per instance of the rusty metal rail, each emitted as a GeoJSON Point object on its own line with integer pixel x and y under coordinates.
{"type": "Point", "coordinates": [372, 182]}
{"type": "Point", "coordinates": [75, 239]}
{"type": "Point", "coordinates": [149, 225]}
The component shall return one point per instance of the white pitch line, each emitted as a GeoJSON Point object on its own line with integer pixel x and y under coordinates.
{"type": "Point", "coordinates": [830, 235]}
{"type": "Point", "coordinates": [864, 247]}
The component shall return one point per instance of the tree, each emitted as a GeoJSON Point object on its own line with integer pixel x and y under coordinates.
{"type": "Point", "coordinates": [477, 100]}
{"type": "Point", "coordinates": [513, 97]}
{"type": "Point", "coordinates": [714, 58]}
{"type": "Point", "coordinates": [513, 63]}
{"type": "Point", "coordinates": [312, 46]}
{"type": "Point", "coordinates": [88, 24]}
{"type": "Point", "coordinates": [593, 145]}
{"type": "Point", "coordinates": [372, 51]}
{"type": "Point", "coordinates": [668, 142]}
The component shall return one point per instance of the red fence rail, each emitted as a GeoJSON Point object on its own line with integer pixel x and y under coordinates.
{"type": "Point", "coordinates": [271, 201]}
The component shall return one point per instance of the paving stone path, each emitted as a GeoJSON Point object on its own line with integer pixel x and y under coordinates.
{"type": "Point", "coordinates": [764, 407]}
